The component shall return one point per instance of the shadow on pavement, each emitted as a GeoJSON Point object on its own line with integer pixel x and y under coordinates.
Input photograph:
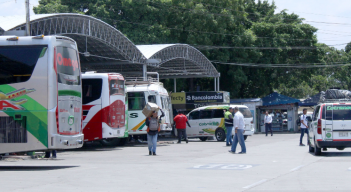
{"type": "Point", "coordinates": [33, 168]}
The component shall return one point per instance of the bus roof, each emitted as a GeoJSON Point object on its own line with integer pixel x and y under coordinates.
{"type": "Point", "coordinates": [30, 40]}
{"type": "Point", "coordinates": [219, 107]}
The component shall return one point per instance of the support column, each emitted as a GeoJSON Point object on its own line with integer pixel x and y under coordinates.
{"type": "Point", "coordinates": [144, 72]}
{"type": "Point", "coordinates": [175, 84]}
{"type": "Point", "coordinates": [219, 75]}
{"type": "Point", "coordinates": [215, 84]}
{"type": "Point", "coordinates": [27, 18]}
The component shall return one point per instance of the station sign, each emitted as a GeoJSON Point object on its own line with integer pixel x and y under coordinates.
{"type": "Point", "coordinates": [200, 97]}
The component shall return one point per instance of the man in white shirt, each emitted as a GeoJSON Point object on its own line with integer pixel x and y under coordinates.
{"type": "Point", "coordinates": [304, 126]}
{"type": "Point", "coordinates": [239, 132]}
{"type": "Point", "coordinates": [268, 123]}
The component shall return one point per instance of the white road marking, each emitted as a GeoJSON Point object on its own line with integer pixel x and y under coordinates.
{"type": "Point", "coordinates": [297, 168]}
{"type": "Point", "coordinates": [254, 184]}
{"type": "Point", "coordinates": [350, 169]}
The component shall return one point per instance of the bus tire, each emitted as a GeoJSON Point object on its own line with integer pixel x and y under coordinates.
{"type": "Point", "coordinates": [317, 150]}
{"type": "Point", "coordinates": [220, 134]}
{"type": "Point", "coordinates": [122, 141]}
{"type": "Point", "coordinates": [245, 137]}
{"type": "Point", "coordinates": [110, 142]}
{"type": "Point", "coordinates": [203, 138]}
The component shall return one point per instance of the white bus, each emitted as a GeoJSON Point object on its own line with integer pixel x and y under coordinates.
{"type": "Point", "coordinates": [40, 94]}
{"type": "Point", "coordinates": [104, 111]}
{"type": "Point", "coordinates": [138, 95]}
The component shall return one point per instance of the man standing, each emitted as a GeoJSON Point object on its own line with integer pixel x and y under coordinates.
{"type": "Point", "coordinates": [304, 126]}
{"type": "Point", "coordinates": [228, 122]}
{"type": "Point", "coordinates": [268, 123]}
{"type": "Point", "coordinates": [239, 132]}
{"type": "Point", "coordinates": [180, 123]}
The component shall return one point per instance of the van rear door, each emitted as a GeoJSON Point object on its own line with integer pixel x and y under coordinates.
{"type": "Point", "coordinates": [328, 122]}
{"type": "Point", "coordinates": [340, 117]}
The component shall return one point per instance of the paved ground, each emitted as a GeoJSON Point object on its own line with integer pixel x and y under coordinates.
{"type": "Point", "coordinates": [271, 164]}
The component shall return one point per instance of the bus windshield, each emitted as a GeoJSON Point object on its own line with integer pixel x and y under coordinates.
{"type": "Point", "coordinates": [68, 67]}
{"type": "Point", "coordinates": [18, 62]}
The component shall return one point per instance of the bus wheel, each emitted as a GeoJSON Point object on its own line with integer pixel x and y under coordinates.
{"type": "Point", "coordinates": [203, 138]}
{"type": "Point", "coordinates": [220, 134]}
{"type": "Point", "coordinates": [245, 137]}
{"type": "Point", "coordinates": [122, 141]}
{"type": "Point", "coordinates": [110, 142]}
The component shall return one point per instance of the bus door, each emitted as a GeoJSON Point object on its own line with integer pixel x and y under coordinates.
{"type": "Point", "coordinates": [115, 113]}
{"type": "Point", "coordinates": [136, 103]}
{"type": "Point", "coordinates": [92, 113]}
{"type": "Point", "coordinates": [69, 112]}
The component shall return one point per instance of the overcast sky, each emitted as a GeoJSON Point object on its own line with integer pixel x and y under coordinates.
{"type": "Point", "coordinates": [314, 11]}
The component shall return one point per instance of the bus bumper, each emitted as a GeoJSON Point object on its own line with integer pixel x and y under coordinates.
{"type": "Point", "coordinates": [66, 142]}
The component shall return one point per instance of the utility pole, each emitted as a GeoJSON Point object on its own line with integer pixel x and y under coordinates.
{"type": "Point", "coordinates": [27, 18]}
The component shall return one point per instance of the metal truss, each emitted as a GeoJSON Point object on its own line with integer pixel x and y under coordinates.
{"type": "Point", "coordinates": [92, 35]}
{"type": "Point", "coordinates": [111, 51]}
{"type": "Point", "coordinates": [182, 61]}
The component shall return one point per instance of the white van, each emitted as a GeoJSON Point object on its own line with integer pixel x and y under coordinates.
{"type": "Point", "coordinates": [139, 93]}
{"type": "Point", "coordinates": [330, 127]}
{"type": "Point", "coordinates": [209, 121]}
{"type": "Point", "coordinates": [104, 111]}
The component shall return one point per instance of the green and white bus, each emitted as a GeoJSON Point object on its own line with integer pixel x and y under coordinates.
{"type": "Point", "coordinates": [40, 94]}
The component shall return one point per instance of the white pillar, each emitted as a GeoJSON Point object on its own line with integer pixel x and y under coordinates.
{"type": "Point", "coordinates": [144, 72]}
{"type": "Point", "coordinates": [175, 84]}
{"type": "Point", "coordinates": [215, 84]}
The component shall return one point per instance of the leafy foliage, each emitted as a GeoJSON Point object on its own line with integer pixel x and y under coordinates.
{"type": "Point", "coordinates": [235, 23]}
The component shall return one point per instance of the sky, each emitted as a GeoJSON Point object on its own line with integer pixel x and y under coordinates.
{"type": "Point", "coordinates": [337, 12]}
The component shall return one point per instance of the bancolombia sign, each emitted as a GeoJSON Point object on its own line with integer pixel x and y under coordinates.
{"type": "Point", "coordinates": [204, 97]}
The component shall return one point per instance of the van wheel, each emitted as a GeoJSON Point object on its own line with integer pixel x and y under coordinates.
{"type": "Point", "coordinates": [245, 137]}
{"type": "Point", "coordinates": [203, 138]}
{"type": "Point", "coordinates": [110, 142]}
{"type": "Point", "coordinates": [310, 149]}
{"type": "Point", "coordinates": [317, 150]}
{"type": "Point", "coordinates": [220, 135]}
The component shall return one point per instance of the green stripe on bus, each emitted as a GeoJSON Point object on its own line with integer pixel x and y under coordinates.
{"type": "Point", "coordinates": [37, 115]}
{"type": "Point", "coordinates": [69, 92]}
{"type": "Point", "coordinates": [142, 126]}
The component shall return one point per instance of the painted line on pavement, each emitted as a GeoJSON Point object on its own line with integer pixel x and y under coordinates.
{"type": "Point", "coordinates": [254, 184]}
{"type": "Point", "coordinates": [297, 168]}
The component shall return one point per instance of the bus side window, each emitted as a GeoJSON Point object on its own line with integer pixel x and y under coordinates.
{"type": "Point", "coordinates": [136, 100]}
{"type": "Point", "coordinates": [91, 90]}
{"type": "Point", "coordinates": [194, 115]}
{"type": "Point", "coordinates": [151, 98]}
{"type": "Point", "coordinates": [206, 114]}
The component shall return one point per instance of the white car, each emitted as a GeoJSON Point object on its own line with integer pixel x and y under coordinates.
{"type": "Point", "coordinates": [209, 121]}
{"type": "Point", "coordinates": [330, 127]}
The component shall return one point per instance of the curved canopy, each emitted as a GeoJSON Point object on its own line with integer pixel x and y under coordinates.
{"type": "Point", "coordinates": [177, 61]}
{"type": "Point", "coordinates": [108, 50]}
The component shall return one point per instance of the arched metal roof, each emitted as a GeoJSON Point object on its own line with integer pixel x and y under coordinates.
{"type": "Point", "coordinates": [178, 61]}
{"type": "Point", "coordinates": [111, 51]}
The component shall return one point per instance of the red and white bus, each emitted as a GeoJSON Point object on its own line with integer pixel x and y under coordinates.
{"type": "Point", "coordinates": [104, 111]}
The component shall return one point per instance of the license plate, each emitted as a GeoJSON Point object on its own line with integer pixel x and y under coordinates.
{"type": "Point", "coordinates": [343, 134]}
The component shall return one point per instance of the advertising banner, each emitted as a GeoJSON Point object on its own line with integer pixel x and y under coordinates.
{"type": "Point", "coordinates": [204, 97]}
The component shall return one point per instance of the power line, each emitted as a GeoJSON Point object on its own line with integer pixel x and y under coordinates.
{"type": "Point", "coordinates": [195, 31]}
{"type": "Point", "coordinates": [305, 66]}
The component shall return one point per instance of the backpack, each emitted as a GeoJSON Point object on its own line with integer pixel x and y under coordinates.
{"type": "Point", "coordinates": [298, 121]}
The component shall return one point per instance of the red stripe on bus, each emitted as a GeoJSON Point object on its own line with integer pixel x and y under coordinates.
{"type": "Point", "coordinates": [87, 107]}
{"type": "Point", "coordinates": [341, 139]}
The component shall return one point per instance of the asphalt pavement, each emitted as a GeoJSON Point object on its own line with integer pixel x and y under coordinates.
{"type": "Point", "coordinates": [275, 163]}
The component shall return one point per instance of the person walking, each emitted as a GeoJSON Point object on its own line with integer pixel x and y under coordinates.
{"type": "Point", "coordinates": [268, 123]}
{"type": "Point", "coordinates": [228, 123]}
{"type": "Point", "coordinates": [304, 126]}
{"type": "Point", "coordinates": [180, 123]}
{"type": "Point", "coordinates": [153, 127]}
{"type": "Point", "coordinates": [239, 125]}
